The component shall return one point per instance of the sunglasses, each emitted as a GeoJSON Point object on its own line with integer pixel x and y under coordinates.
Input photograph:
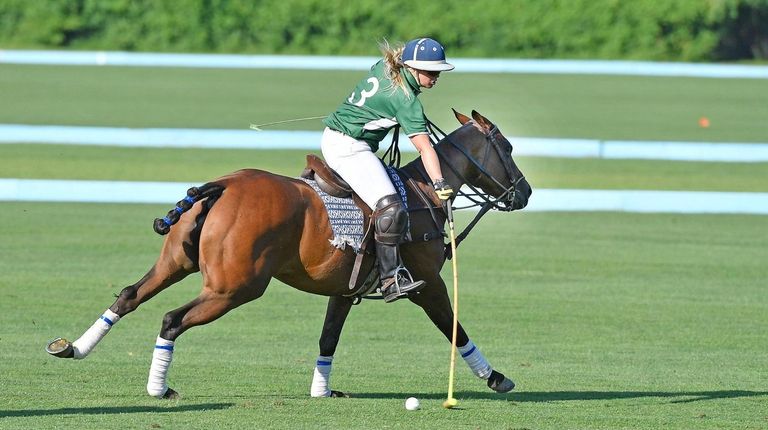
{"type": "Point", "coordinates": [430, 74]}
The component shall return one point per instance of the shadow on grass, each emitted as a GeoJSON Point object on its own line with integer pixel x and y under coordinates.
{"type": "Point", "coordinates": [563, 396]}
{"type": "Point", "coordinates": [114, 410]}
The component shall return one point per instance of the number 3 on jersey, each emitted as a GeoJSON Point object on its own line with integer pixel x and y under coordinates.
{"type": "Point", "coordinates": [364, 94]}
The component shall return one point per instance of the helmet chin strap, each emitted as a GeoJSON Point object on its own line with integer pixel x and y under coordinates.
{"type": "Point", "coordinates": [416, 73]}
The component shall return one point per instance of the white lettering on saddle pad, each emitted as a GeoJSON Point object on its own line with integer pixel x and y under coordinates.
{"type": "Point", "coordinates": [346, 219]}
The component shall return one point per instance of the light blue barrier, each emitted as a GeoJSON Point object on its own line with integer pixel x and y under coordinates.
{"type": "Point", "coordinates": [649, 201]}
{"type": "Point", "coordinates": [295, 62]}
{"type": "Point", "coordinates": [310, 140]}
{"type": "Point", "coordinates": [44, 190]}
{"type": "Point", "coordinates": [542, 200]}
{"type": "Point", "coordinates": [160, 137]}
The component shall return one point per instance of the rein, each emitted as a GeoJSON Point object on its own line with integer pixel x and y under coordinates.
{"type": "Point", "coordinates": [392, 154]}
{"type": "Point", "coordinates": [477, 197]}
{"type": "Point", "coordinates": [484, 199]}
{"type": "Point", "coordinates": [485, 202]}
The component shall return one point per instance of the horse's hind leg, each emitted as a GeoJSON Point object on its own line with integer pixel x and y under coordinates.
{"type": "Point", "coordinates": [128, 300]}
{"type": "Point", "coordinates": [177, 260]}
{"type": "Point", "coordinates": [335, 315]}
{"type": "Point", "coordinates": [208, 306]}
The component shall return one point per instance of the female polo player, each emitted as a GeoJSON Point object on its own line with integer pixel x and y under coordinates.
{"type": "Point", "coordinates": [385, 98]}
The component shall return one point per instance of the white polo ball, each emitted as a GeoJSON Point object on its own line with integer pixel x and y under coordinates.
{"type": "Point", "coordinates": [412, 404]}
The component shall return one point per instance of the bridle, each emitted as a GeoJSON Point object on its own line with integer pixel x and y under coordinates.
{"type": "Point", "coordinates": [503, 202]}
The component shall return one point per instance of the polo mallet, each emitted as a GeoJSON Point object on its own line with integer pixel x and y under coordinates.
{"type": "Point", "coordinates": [258, 127]}
{"type": "Point", "coordinates": [451, 402]}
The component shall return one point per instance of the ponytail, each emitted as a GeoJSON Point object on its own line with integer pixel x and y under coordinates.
{"type": "Point", "coordinates": [393, 66]}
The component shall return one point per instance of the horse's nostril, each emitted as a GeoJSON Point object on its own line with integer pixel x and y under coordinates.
{"type": "Point", "coordinates": [527, 190]}
{"type": "Point", "coordinates": [521, 200]}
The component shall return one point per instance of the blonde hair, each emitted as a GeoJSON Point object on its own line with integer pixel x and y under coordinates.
{"type": "Point", "coordinates": [393, 65]}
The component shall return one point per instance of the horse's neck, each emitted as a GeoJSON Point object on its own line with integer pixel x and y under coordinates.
{"type": "Point", "coordinates": [416, 168]}
{"type": "Point", "coordinates": [423, 222]}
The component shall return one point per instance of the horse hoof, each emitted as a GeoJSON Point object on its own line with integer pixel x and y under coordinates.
{"type": "Point", "coordinates": [61, 348]}
{"type": "Point", "coordinates": [171, 394]}
{"type": "Point", "coordinates": [500, 383]}
{"type": "Point", "coordinates": [335, 393]}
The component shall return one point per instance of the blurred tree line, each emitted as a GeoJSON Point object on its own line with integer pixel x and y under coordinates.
{"type": "Point", "coordinates": [664, 30]}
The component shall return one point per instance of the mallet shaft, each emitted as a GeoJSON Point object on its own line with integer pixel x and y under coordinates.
{"type": "Point", "coordinates": [451, 402]}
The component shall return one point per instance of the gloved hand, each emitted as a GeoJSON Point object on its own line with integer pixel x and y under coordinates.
{"type": "Point", "coordinates": [442, 189]}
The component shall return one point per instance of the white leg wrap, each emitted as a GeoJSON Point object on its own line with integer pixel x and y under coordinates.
{"type": "Point", "coordinates": [322, 376]}
{"type": "Point", "coordinates": [93, 335]}
{"type": "Point", "coordinates": [157, 384]}
{"type": "Point", "coordinates": [475, 360]}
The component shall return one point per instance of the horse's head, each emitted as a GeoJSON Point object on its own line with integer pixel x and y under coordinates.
{"type": "Point", "coordinates": [490, 165]}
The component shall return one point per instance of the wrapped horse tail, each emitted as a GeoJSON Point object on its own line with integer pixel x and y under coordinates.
{"type": "Point", "coordinates": [163, 225]}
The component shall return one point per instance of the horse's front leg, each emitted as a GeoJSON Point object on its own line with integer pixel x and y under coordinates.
{"type": "Point", "coordinates": [335, 315]}
{"type": "Point", "coordinates": [436, 304]}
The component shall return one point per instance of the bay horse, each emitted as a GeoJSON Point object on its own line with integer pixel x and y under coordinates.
{"type": "Point", "coordinates": [251, 226]}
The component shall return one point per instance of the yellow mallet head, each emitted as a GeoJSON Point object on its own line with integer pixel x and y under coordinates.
{"type": "Point", "coordinates": [450, 403]}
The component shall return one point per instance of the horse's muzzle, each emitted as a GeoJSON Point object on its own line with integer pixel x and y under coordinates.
{"type": "Point", "coordinates": [521, 195]}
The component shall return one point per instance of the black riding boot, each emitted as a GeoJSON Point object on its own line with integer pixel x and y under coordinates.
{"type": "Point", "coordinates": [390, 222]}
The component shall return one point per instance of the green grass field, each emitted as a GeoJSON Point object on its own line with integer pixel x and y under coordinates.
{"type": "Point", "coordinates": [599, 107]}
{"type": "Point", "coordinates": [605, 320]}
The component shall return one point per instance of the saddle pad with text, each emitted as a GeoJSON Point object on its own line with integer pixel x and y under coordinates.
{"type": "Point", "coordinates": [346, 218]}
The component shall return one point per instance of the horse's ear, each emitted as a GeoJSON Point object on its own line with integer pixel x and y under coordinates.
{"type": "Point", "coordinates": [483, 121]}
{"type": "Point", "coordinates": [463, 119]}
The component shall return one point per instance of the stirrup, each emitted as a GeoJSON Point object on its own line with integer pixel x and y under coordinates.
{"type": "Point", "coordinates": [399, 286]}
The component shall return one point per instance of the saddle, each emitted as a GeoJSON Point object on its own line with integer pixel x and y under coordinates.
{"type": "Point", "coordinates": [360, 284]}
{"type": "Point", "coordinates": [327, 179]}
{"type": "Point", "coordinates": [330, 182]}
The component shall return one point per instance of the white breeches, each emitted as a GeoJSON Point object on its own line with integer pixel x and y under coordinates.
{"type": "Point", "coordinates": [354, 161]}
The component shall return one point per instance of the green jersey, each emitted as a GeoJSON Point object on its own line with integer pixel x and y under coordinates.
{"type": "Point", "coordinates": [376, 105]}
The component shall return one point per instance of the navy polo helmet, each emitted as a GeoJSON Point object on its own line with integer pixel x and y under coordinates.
{"type": "Point", "coordinates": [425, 54]}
